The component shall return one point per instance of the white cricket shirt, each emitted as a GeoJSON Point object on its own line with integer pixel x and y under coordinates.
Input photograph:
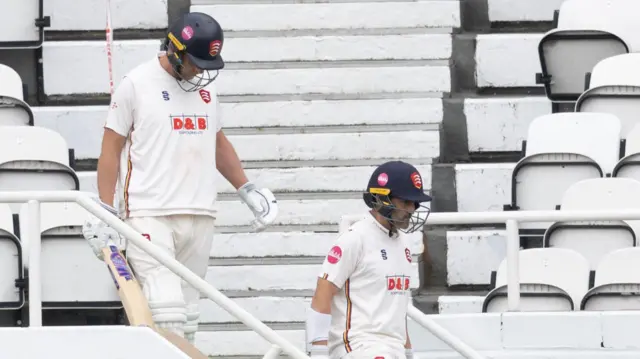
{"type": "Point", "coordinates": [168, 165]}
{"type": "Point", "coordinates": [373, 272]}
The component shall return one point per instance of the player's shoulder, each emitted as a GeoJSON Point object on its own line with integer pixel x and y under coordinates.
{"type": "Point", "coordinates": [140, 72]}
{"type": "Point", "coordinates": [354, 234]}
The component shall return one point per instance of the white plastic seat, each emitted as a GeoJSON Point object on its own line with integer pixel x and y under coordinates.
{"type": "Point", "coordinates": [617, 282]}
{"type": "Point", "coordinates": [614, 88]}
{"type": "Point", "coordinates": [72, 276]}
{"type": "Point", "coordinates": [34, 158]}
{"type": "Point", "coordinates": [551, 279]}
{"type": "Point", "coordinates": [14, 111]}
{"type": "Point", "coordinates": [562, 149]}
{"type": "Point", "coordinates": [629, 165]}
{"type": "Point", "coordinates": [588, 31]}
{"type": "Point", "coordinates": [596, 239]}
{"type": "Point", "coordinates": [11, 266]}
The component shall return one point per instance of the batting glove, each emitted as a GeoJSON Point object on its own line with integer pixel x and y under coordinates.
{"type": "Point", "coordinates": [261, 202]}
{"type": "Point", "coordinates": [99, 234]}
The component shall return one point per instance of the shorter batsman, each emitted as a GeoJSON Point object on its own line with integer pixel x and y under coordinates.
{"type": "Point", "coordinates": [359, 309]}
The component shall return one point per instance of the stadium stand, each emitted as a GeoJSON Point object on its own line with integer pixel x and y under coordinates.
{"type": "Point", "coordinates": [538, 114]}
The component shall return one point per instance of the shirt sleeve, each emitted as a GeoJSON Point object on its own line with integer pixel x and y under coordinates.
{"type": "Point", "coordinates": [120, 113]}
{"type": "Point", "coordinates": [342, 259]}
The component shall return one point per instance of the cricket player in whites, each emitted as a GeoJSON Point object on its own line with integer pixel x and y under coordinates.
{"type": "Point", "coordinates": [359, 309]}
{"type": "Point", "coordinates": [163, 145]}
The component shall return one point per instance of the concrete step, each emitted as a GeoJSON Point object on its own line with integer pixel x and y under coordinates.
{"type": "Point", "coordinates": [357, 79]}
{"type": "Point", "coordinates": [297, 146]}
{"type": "Point", "coordinates": [507, 60]}
{"type": "Point", "coordinates": [231, 340]}
{"type": "Point", "coordinates": [274, 277]}
{"type": "Point", "coordinates": [293, 180]}
{"type": "Point", "coordinates": [251, 16]}
{"type": "Point", "coordinates": [522, 11]}
{"type": "Point", "coordinates": [91, 14]}
{"type": "Point", "coordinates": [303, 114]}
{"type": "Point", "coordinates": [284, 246]}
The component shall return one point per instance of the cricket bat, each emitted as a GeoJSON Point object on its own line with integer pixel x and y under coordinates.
{"type": "Point", "coordinates": [135, 303]}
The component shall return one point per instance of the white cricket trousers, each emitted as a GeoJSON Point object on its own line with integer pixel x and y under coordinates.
{"type": "Point", "coordinates": [188, 239]}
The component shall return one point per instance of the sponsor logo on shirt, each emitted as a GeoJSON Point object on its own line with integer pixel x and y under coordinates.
{"type": "Point", "coordinates": [335, 254]}
{"type": "Point", "coordinates": [189, 124]}
{"type": "Point", "coordinates": [398, 284]}
{"type": "Point", "coordinates": [407, 253]}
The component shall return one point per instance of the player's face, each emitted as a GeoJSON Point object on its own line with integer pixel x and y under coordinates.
{"type": "Point", "coordinates": [402, 212]}
{"type": "Point", "coordinates": [189, 70]}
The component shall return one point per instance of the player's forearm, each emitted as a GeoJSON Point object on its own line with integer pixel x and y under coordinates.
{"type": "Point", "coordinates": [228, 163]}
{"type": "Point", "coordinates": [108, 165]}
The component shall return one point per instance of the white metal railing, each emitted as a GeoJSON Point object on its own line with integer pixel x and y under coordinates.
{"type": "Point", "coordinates": [86, 200]}
{"type": "Point", "coordinates": [511, 220]}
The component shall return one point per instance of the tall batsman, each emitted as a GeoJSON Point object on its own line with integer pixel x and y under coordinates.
{"type": "Point", "coordinates": [163, 145]}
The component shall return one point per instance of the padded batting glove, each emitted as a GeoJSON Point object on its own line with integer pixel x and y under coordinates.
{"type": "Point", "coordinates": [99, 234]}
{"type": "Point", "coordinates": [261, 202]}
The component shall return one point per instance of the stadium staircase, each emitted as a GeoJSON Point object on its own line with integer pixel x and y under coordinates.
{"type": "Point", "coordinates": [315, 94]}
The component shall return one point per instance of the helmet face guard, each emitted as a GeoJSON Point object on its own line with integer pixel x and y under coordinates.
{"type": "Point", "coordinates": [199, 38]}
{"type": "Point", "coordinates": [176, 59]}
{"type": "Point", "coordinates": [384, 206]}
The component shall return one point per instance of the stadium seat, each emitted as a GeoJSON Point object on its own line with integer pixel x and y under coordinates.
{"type": "Point", "coordinates": [11, 266]}
{"type": "Point", "coordinates": [596, 239]}
{"type": "Point", "coordinates": [72, 277]}
{"type": "Point", "coordinates": [14, 111]}
{"type": "Point", "coordinates": [551, 279]}
{"type": "Point", "coordinates": [614, 88]}
{"type": "Point", "coordinates": [34, 158]}
{"type": "Point", "coordinates": [588, 31]}
{"type": "Point", "coordinates": [562, 149]}
{"type": "Point", "coordinates": [627, 166]}
{"type": "Point", "coordinates": [617, 282]}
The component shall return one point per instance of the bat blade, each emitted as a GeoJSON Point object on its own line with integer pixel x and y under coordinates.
{"type": "Point", "coordinates": [135, 303]}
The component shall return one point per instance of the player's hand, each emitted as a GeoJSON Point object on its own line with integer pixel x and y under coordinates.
{"type": "Point", "coordinates": [319, 352]}
{"type": "Point", "coordinates": [261, 202]}
{"type": "Point", "coordinates": [99, 234]}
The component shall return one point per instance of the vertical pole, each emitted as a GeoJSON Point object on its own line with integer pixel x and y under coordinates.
{"type": "Point", "coordinates": [513, 266]}
{"type": "Point", "coordinates": [35, 279]}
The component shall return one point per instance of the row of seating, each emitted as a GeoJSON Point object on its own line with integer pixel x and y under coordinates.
{"type": "Point", "coordinates": [564, 148]}
{"type": "Point", "coordinates": [558, 279]}
{"type": "Point", "coordinates": [71, 275]}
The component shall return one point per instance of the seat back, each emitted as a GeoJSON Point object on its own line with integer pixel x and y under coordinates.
{"type": "Point", "coordinates": [614, 88]}
{"type": "Point", "coordinates": [14, 111]}
{"type": "Point", "coordinates": [617, 282]}
{"type": "Point", "coordinates": [11, 266]}
{"type": "Point", "coordinates": [34, 158]}
{"type": "Point", "coordinates": [83, 282]}
{"type": "Point", "coordinates": [552, 269]}
{"type": "Point", "coordinates": [596, 239]}
{"type": "Point", "coordinates": [554, 160]}
{"type": "Point", "coordinates": [560, 267]}
{"type": "Point", "coordinates": [588, 31]}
